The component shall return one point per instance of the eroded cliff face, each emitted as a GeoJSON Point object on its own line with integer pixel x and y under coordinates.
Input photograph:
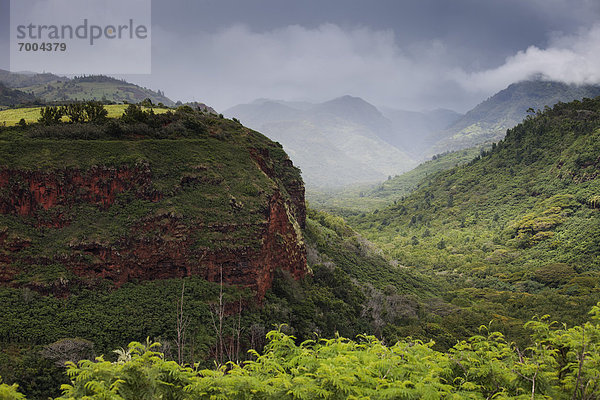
{"type": "Point", "coordinates": [159, 245]}
{"type": "Point", "coordinates": [28, 192]}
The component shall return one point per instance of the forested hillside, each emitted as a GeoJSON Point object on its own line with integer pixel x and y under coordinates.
{"type": "Point", "coordinates": [114, 229]}
{"type": "Point", "coordinates": [95, 210]}
{"type": "Point", "coordinates": [515, 232]}
{"type": "Point", "coordinates": [12, 97]}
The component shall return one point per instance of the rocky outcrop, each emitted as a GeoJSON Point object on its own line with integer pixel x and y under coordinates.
{"type": "Point", "coordinates": [26, 192]}
{"type": "Point", "coordinates": [158, 246]}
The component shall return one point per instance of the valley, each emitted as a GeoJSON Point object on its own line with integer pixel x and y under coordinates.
{"type": "Point", "coordinates": [121, 223]}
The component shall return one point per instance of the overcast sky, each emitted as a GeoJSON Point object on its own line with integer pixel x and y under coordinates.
{"type": "Point", "coordinates": [417, 54]}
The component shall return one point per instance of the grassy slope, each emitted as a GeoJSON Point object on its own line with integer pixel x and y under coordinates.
{"type": "Point", "coordinates": [516, 232]}
{"type": "Point", "coordinates": [93, 88]}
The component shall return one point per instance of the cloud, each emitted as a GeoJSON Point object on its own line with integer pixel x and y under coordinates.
{"type": "Point", "coordinates": [571, 59]}
{"type": "Point", "coordinates": [237, 64]}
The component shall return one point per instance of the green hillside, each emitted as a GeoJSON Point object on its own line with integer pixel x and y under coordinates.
{"type": "Point", "coordinates": [515, 232]}
{"type": "Point", "coordinates": [50, 88]}
{"type": "Point", "coordinates": [99, 88]}
{"type": "Point", "coordinates": [194, 188]}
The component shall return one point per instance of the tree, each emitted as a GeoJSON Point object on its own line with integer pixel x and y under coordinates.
{"type": "Point", "coordinates": [75, 112]}
{"type": "Point", "coordinates": [65, 350]}
{"type": "Point", "coordinates": [134, 113]}
{"type": "Point", "coordinates": [182, 323]}
{"type": "Point", "coordinates": [50, 115]}
{"type": "Point", "coordinates": [95, 112]}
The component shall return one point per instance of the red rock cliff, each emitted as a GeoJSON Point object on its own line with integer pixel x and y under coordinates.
{"type": "Point", "coordinates": [157, 246]}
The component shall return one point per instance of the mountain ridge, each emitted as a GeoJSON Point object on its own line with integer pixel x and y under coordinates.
{"type": "Point", "coordinates": [335, 143]}
{"type": "Point", "coordinates": [489, 120]}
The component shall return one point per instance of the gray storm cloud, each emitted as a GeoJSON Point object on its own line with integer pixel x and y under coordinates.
{"type": "Point", "coordinates": [571, 59]}
{"type": "Point", "coordinates": [412, 55]}
{"type": "Point", "coordinates": [237, 64]}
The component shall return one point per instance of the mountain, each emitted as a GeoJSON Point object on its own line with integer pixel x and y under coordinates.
{"type": "Point", "coordinates": [357, 111]}
{"type": "Point", "coordinates": [335, 143]}
{"type": "Point", "coordinates": [515, 232]}
{"type": "Point", "coordinates": [346, 141]}
{"type": "Point", "coordinates": [52, 88]}
{"type": "Point", "coordinates": [129, 209]}
{"type": "Point", "coordinates": [489, 120]}
{"type": "Point", "coordinates": [96, 215]}
{"type": "Point", "coordinates": [422, 133]}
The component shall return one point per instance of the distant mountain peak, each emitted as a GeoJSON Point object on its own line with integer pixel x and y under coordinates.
{"type": "Point", "coordinates": [348, 100]}
{"type": "Point", "coordinates": [336, 142]}
{"type": "Point", "coordinates": [348, 97]}
{"type": "Point", "coordinates": [354, 109]}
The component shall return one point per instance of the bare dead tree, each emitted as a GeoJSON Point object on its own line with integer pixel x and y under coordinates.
{"type": "Point", "coordinates": [182, 323]}
{"type": "Point", "coordinates": [238, 332]}
{"type": "Point", "coordinates": [217, 315]}
{"type": "Point", "coordinates": [233, 351]}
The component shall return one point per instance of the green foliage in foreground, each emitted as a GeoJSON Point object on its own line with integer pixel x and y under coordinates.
{"type": "Point", "coordinates": [10, 392]}
{"type": "Point", "coordinates": [563, 363]}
